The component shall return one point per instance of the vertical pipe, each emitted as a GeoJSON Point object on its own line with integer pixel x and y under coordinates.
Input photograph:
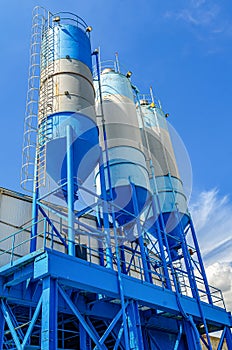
{"type": "Point", "coordinates": [228, 337]}
{"type": "Point", "coordinates": [117, 62]}
{"type": "Point", "coordinates": [100, 245]}
{"type": "Point", "coordinates": [35, 210]}
{"type": "Point", "coordinates": [152, 95]}
{"type": "Point", "coordinates": [123, 259]}
{"type": "Point", "coordinates": [140, 238]}
{"type": "Point", "coordinates": [124, 316]}
{"type": "Point", "coordinates": [70, 191]}
{"type": "Point", "coordinates": [83, 337]}
{"type": "Point", "coordinates": [155, 202]}
{"type": "Point", "coordinates": [109, 260]}
{"type": "Point", "coordinates": [103, 122]}
{"type": "Point", "coordinates": [201, 262]}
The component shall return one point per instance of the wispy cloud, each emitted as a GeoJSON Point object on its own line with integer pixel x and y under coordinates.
{"type": "Point", "coordinates": [212, 217]}
{"type": "Point", "coordinates": [198, 16]}
{"type": "Point", "coordinates": [205, 15]}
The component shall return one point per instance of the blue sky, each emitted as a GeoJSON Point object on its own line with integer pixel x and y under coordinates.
{"type": "Point", "coordinates": [183, 49]}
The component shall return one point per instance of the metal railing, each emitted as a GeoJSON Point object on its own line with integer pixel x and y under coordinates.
{"type": "Point", "coordinates": [17, 245]}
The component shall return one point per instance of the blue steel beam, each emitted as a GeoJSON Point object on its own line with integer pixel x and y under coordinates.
{"type": "Point", "coordinates": [84, 338]}
{"type": "Point", "coordinates": [32, 323]}
{"type": "Point", "coordinates": [177, 343]}
{"type": "Point", "coordinates": [49, 314]}
{"type": "Point", "coordinates": [81, 319]}
{"type": "Point", "coordinates": [105, 214]}
{"type": "Point", "coordinates": [35, 211]}
{"type": "Point", "coordinates": [9, 322]}
{"type": "Point", "coordinates": [200, 262]}
{"type": "Point", "coordinates": [53, 227]}
{"type": "Point", "coordinates": [228, 337]}
{"type": "Point", "coordinates": [140, 238]}
{"type": "Point", "coordinates": [136, 337]}
{"type": "Point", "coordinates": [94, 278]}
{"type": "Point", "coordinates": [119, 337]}
{"type": "Point", "coordinates": [70, 191]}
{"type": "Point", "coordinates": [2, 326]}
{"type": "Point", "coordinates": [111, 326]}
{"type": "Point", "coordinates": [220, 344]}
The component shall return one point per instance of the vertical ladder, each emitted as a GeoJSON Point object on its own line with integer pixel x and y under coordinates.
{"type": "Point", "coordinates": [46, 103]}
{"type": "Point", "coordinates": [32, 104]}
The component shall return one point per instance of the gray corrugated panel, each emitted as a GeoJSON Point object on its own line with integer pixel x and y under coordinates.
{"type": "Point", "coordinates": [15, 216]}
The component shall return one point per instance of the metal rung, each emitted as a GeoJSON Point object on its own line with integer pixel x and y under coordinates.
{"type": "Point", "coordinates": [32, 139]}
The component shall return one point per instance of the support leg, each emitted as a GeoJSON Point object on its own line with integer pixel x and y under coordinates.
{"type": "Point", "coordinates": [85, 342]}
{"type": "Point", "coordinates": [2, 325]}
{"type": "Point", "coordinates": [35, 210]}
{"type": "Point", "coordinates": [228, 337]}
{"type": "Point", "coordinates": [49, 315]}
{"type": "Point", "coordinates": [134, 324]}
{"type": "Point", "coordinates": [70, 192]}
{"type": "Point", "coordinates": [140, 239]}
{"type": "Point", "coordinates": [109, 262]}
{"type": "Point", "coordinates": [192, 336]}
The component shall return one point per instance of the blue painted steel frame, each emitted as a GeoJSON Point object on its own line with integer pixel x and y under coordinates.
{"type": "Point", "coordinates": [82, 275]}
{"type": "Point", "coordinates": [91, 278]}
{"type": "Point", "coordinates": [49, 314]}
{"type": "Point", "coordinates": [70, 191]}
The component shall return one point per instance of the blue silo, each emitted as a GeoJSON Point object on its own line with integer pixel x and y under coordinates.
{"type": "Point", "coordinates": [67, 118]}
{"type": "Point", "coordinates": [127, 161]}
{"type": "Point", "coordinates": [169, 187]}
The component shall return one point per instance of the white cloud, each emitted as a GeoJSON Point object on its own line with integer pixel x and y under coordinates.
{"type": "Point", "coordinates": [198, 3]}
{"type": "Point", "coordinates": [213, 222]}
{"type": "Point", "coordinates": [220, 276]}
{"type": "Point", "coordinates": [199, 16]}
{"type": "Point", "coordinates": [205, 15]}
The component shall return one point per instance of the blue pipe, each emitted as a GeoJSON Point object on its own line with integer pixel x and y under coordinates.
{"type": "Point", "coordinates": [70, 191]}
{"type": "Point", "coordinates": [35, 211]}
{"type": "Point", "coordinates": [140, 238]}
{"type": "Point", "coordinates": [109, 259]}
{"type": "Point", "coordinates": [100, 245]}
{"type": "Point", "coordinates": [200, 262]}
{"type": "Point", "coordinates": [124, 316]}
{"type": "Point", "coordinates": [2, 326]}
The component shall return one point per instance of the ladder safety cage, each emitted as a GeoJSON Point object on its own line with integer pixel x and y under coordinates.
{"type": "Point", "coordinates": [32, 104]}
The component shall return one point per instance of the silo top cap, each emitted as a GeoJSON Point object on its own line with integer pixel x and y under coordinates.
{"type": "Point", "coordinates": [107, 70]}
{"type": "Point", "coordinates": [143, 102]}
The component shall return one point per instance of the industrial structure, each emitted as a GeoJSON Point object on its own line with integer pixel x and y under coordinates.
{"type": "Point", "coordinates": [109, 258]}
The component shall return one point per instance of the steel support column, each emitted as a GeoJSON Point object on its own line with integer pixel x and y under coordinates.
{"type": "Point", "coordinates": [192, 335]}
{"type": "Point", "coordinates": [49, 314]}
{"type": "Point", "coordinates": [70, 191]}
{"type": "Point", "coordinates": [140, 238]}
{"type": "Point", "coordinates": [228, 337]}
{"type": "Point", "coordinates": [2, 326]}
{"type": "Point", "coordinates": [35, 210]}
{"type": "Point", "coordinates": [85, 342]}
{"type": "Point", "coordinates": [134, 325]}
{"type": "Point", "coordinates": [105, 214]}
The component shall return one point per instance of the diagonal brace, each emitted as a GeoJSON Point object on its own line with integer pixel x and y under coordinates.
{"type": "Point", "coordinates": [11, 326]}
{"type": "Point", "coordinates": [80, 318]}
{"type": "Point", "coordinates": [111, 326]}
{"type": "Point", "coordinates": [32, 323]}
